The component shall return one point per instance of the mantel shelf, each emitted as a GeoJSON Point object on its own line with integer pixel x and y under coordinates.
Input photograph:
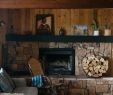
{"type": "Point", "coordinates": [51, 38]}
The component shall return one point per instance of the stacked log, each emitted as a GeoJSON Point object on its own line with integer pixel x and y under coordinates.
{"type": "Point", "coordinates": [94, 66]}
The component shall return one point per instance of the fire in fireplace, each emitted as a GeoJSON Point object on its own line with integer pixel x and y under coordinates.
{"type": "Point", "coordinates": [57, 61]}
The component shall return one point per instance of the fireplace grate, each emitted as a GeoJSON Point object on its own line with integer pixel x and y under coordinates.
{"type": "Point", "coordinates": [57, 61]}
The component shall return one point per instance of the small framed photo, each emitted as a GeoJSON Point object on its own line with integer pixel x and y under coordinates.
{"type": "Point", "coordinates": [44, 24]}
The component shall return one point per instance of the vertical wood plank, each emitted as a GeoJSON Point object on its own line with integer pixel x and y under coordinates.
{"type": "Point", "coordinates": [22, 21]}
{"type": "Point", "coordinates": [58, 21]}
{"type": "Point", "coordinates": [54, 12]}
{"type": "Point", "coordinates": [68, 22]}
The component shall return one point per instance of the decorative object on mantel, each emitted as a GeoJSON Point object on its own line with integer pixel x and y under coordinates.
{"type": "Point", "coordinates": [95, 24]}
{"type": "Point", "coordinates": [107, 30]}
{"type": "Point", "coordinates": [11, 29]}
{"type": "Point", "coordinates": [80, 29]}
{"type": "Point", "coordinates": [44, 24]}
{"type": "Point", "coordinates": [95, 28]}
{"type": "Point", "coordinates": [95, 65]}
{"type": "Point", "coordinates": [62, 31]}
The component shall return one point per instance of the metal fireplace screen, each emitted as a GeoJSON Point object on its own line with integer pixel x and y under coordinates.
{"type": "Point", "coordinates": [57, 61]}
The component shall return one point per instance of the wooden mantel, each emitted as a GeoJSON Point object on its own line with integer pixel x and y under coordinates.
{"type": "Point", "coordinates": [56, 3]}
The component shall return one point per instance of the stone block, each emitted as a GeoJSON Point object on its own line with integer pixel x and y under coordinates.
{"type": "Point", "coordinates": [107, 94]}
{"type": "Point", "coordinates": [91, 90]}
{"type": "Point", "coordinates": [99, 93]}
{"type": "Point", "coordinates": [101, 81]}
{"type": "Point", "coordinates": [86, 92]}
{"type": "Point", "coordinates": [102, 88]}
{"type": "Point", "coordinates": [110, 82]}
{"type": "Point", "coordinates": [91, 82]}
{"type": "Point", "coordinates": [111, 89]}
{"type": "Point", "coordinates": [105, 81]}
{"type": "Point", "coordinates": [84, 83]}
{"type": "Point", "coordinates": [78, 92]}
{"type": "Point", "coordinates": [77, 84]}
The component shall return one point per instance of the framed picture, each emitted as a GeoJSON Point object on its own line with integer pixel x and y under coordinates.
{"type": "Point", "coordinates": [44, 24]}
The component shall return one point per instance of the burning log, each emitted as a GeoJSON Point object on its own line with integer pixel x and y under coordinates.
{"type": "Point", "coordinates": [95, 66]}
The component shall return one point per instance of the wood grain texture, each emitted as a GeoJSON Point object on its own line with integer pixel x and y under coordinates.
{"type": "Point", "coordinates": [24, 20]}
{"type": "Point", "coordinates": [56, 4]}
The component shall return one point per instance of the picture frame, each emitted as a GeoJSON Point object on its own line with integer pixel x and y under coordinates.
{"type": "Point", "coordinates": [45, 24]}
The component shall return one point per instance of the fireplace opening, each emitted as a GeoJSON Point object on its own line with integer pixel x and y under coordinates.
{"type": "Point", "coordinates": [57, 61]}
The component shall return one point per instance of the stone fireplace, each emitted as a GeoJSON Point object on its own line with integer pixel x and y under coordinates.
{"type": "Point", "coordinates": [16, 55]}
{"type": "Point", "coordinates": [57, 61]}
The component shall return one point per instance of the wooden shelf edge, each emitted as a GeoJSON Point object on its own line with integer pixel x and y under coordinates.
{"type": "Point", "coordinates": [52, 38]}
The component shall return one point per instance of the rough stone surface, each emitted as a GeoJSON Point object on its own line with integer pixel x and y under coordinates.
{"type": "Point", "coordinates": [91, 90]}
{"type": "Point", "coordinates": [110, 82]}
{"type": "Point", "coordinates": [27, 49]}
{"type": "Point", "coordinates": [102, 88]}
{"type": "Point", "coordinates": [76, 91]}
{"type": "Point", "coordinates": [84, 84]}
{"type": "Point", "coordinates": [91, 82]}
{"type": "Point", "coordinates": [107, 94]}
{"type": "Point", "coordinates": [101, 81]}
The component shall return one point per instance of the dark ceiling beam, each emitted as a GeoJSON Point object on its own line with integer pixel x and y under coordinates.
{"type": "Point", "coordinates": [56, 4]}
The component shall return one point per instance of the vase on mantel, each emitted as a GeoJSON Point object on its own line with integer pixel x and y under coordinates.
{"type": "Point", "coordinates": [96, 33]}
{"type": "Point", "coordinates": [107, 32]}
{"type": "Point", "coordinates": [95, 28]}
{"type": "Point", "coordinates": [107, 28]}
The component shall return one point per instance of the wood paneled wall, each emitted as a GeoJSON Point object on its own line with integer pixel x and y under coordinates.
{"type": "Point", "coordinates": [24, 20]}
{"type": "Point", "coordinates": [3, 29]}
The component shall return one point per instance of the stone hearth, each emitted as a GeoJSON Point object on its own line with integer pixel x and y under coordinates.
{"type": "Point", "coordinates": [88, 86]}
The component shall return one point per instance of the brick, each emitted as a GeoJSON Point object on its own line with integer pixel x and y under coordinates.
{"type": "Point", "coordinates": [102, 88]}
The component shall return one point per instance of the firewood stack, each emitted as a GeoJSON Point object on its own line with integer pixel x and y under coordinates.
{"type": "Point", "coordinates": [94, 66]}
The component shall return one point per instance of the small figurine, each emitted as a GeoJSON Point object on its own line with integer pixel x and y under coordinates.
{"type": "Point", "coordinates": [62, 31]}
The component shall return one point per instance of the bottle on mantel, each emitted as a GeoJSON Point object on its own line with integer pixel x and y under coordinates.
{"type": "Point", "coordinates": [11, 30]}
{"type": "Point", "coordinates": [62, 31]}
